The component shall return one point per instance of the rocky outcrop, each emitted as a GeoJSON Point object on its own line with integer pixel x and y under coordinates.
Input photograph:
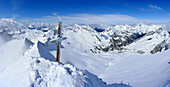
{"type": "Point", "coordinates": [160, 47]}
{"type": "Point", "coordinates": [118, 42]}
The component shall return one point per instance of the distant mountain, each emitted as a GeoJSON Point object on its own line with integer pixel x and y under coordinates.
{"type": "Point", "coordinates": [92, 55]}
{"type": "Point", "coordinates": [10, 26]}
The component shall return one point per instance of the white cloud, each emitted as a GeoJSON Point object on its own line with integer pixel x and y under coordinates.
{"type": "Point", "coordinates": [101, 18]}
{"type": "Point", "coordinates": [51, 19]}
{"type": "Point", "coordinates": [155, 7]}
{"type": "Point", "coordinates": [87, 18]}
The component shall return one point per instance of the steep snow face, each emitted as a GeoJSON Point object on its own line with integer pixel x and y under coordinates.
{"type": "Point", "coordinates": [82, 37]}
{"type": "Point", "coordinates": [12, 51]}
{"type": "Point", "coordinates": [41, 51]}
{"type": "Point", "coordinates": [32, 70]}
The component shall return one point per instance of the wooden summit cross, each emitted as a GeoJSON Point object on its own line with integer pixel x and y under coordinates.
{"type": "Point", "coordinates": [58, 42]}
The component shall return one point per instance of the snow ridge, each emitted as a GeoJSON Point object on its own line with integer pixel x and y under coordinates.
{"type": "Point", "coordinates": [134, 53]}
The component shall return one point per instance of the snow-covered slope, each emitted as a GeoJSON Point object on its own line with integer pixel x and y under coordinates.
{"type": "Point", "coordinates": [35, 68]}
{"type": "Point", "coordinates": [90, 55]}
{"type": "Point", "coordinates": [148, 43]}
{"type": "Point", "coordinates": [12, 51]}
{"type": "Point", "coordinates": [140, 70]}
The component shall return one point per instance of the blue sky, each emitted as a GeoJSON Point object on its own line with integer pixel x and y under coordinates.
{"type": "Point", "coordinates": [86, 11]}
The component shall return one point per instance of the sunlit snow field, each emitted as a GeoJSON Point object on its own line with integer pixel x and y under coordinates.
{"type": "Point", "coordinates": [27, 54]}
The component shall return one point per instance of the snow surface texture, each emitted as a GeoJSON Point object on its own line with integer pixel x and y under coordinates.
{"type": "Point", "coordinates": [28, 53]}
{"type": "Point", "coordinates": [32, 70]}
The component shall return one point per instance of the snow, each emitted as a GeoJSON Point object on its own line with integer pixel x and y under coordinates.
{"type": "Point", "coordinates": [10, 26]}
{"type": "Point", "coordinates": [12, 51]}
{"type": "Point", "coordinates": [28, 53]}
{"type": "Point", "coordinates": [41, 51]}
{"type": "Point", "coordinates": [137, 70]}
{"type": "Point", "coordinates": [148, 42]}
{"type": "Point", "coordinates": [1, 41]}
{"type": "Point", "coordinates": [167, 26]}
{"type": "Point", "coordinates": [32, 70]}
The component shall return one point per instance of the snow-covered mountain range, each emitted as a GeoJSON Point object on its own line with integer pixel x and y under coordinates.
{"type": "Point", "coordinates": [92, 55]}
